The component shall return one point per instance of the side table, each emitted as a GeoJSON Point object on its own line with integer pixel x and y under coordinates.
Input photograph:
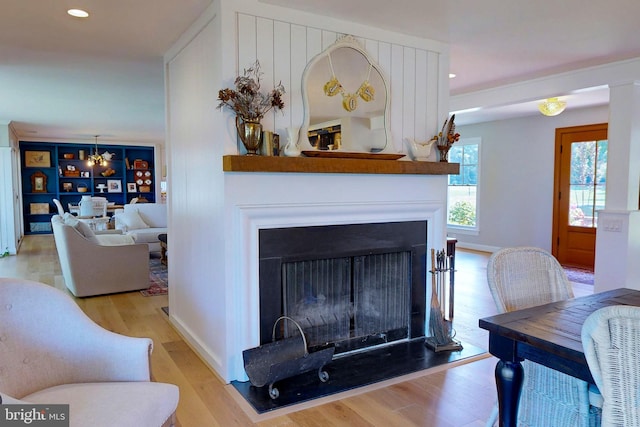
{"type": "Point", "coordinates": [163, 247]}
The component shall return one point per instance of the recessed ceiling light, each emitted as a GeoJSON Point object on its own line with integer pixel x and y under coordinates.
{"type": "Point", "coordinates": [452, 76]}
{"type": "Point", "coordinates": [78, 13]}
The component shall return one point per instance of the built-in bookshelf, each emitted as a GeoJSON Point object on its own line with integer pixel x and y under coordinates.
{"type": "Point", "coordinates": [61, 171]}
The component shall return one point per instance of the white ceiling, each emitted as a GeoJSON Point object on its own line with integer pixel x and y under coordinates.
{"type": "Point", "coordinates": [66, 79]}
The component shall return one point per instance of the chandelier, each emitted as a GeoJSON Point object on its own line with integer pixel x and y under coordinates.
{"type": "Point", "coordinates": [96, 158]}
{"type": "Point", "coordinates": [552, 106]}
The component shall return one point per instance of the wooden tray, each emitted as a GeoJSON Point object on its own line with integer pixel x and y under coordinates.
{"type": "Point", "coordinates": [351, 155]}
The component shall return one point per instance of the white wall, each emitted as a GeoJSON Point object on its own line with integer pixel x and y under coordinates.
{"type": "Point", "coordinates": [516, 187]}
{"type": "Point", "coordinates": [211, 213]}
{"type": "Point", "coordinates": [10, 190]}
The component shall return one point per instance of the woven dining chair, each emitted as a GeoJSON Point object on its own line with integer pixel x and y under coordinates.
{"type": "Point", "coordinates": [611, 342]}
{"type": "Point", "coordinates": [523, 277]}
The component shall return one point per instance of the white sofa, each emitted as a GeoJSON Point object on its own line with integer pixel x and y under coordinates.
{"type": "Point", "coordinates": [144, 222]}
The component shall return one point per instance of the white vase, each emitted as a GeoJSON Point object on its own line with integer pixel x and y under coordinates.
{"type": "Point", "coordinates": [292, 149]}
{"type": "Point", "coordinates": [86, 206]}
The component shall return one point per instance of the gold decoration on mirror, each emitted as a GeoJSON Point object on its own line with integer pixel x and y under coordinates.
{"type": "Point", "coordinates": [349, 100]}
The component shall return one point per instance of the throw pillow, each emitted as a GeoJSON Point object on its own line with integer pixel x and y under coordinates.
{"type": "Point", "coordinates": [132, 220]}
{"type": "Point", "coordinates": [81, 227]}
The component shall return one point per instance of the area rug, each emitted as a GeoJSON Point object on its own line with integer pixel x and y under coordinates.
{"type": "Point", "coordinates": [158, 279]}
{"type": "Point", "coordinates": [579, 275]}
{"type": "Point", "coordinates": [353, 374]}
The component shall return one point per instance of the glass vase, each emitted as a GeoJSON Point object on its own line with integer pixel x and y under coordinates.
{"type": "Point", "coordinates": [250, 133]}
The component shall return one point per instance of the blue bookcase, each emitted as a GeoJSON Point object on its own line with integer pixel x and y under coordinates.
{"type": "Point", "coordinates": [60, 171]}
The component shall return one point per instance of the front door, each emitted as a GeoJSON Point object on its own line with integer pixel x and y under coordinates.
{"type": "Point", "coordinates": [579, 189]}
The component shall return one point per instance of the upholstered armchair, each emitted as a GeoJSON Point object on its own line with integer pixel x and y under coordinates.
{"type": "Point", "coordinates": [96, 264]}
{"type": "Point", "coordinates": [52, 353]}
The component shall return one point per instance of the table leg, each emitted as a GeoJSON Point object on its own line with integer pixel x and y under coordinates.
{"type": "Point", "coordinates": [509, 376]}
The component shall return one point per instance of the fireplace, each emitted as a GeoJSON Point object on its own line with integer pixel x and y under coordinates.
{"type": "Point", "coordinates": [355, 286]}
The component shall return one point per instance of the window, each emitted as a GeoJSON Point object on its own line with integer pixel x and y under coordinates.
{"type": "Point", "coordinates": [462, 205]}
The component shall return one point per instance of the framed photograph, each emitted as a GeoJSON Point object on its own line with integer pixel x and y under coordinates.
{"type": "Point", "coordinates": [84, 174]}
{"type": "Point", "coordinates": [38, 208]}
{"type": "Point", "coordinates": [38, 182]}
{"type": "Point", "coordinates": [114, 186]}
{"type": "Point", "coordinates": [131, 187]}
{"type": "Point", "coordinates": [67, 186]}
{"type": "Point", "coordinates": [37, 159]}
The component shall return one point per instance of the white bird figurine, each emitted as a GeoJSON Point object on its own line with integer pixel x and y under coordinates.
{"type": "Point", "coordinates": [420, 150]}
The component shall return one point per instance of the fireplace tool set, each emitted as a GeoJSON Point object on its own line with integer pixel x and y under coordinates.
{"type": "Point", "coordinates": [440, 319]}
{"type": "Point", "coordinates": [284, 358]}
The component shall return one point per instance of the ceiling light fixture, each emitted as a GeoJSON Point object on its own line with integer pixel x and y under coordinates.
{"type": "Point", "coordinates": [78, 13]}
{"type": "Point", "coordinates": [96, 158]}
{"type": "Point", "coordinates": [552, 106]}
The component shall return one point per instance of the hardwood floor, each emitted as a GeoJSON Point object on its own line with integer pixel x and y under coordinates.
{"type": "Point", "coordinates": [462, 396]}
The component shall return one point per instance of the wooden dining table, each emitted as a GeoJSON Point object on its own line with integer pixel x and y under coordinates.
{"type": "Point", "coordinates": [550, 335]}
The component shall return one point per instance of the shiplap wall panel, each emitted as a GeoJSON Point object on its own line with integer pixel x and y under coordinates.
{"type": "Point", "coordinates": [397, 90]}
{"type": "Point", "coordinates": [247, 39]}
{"type": "Point", "coordinates": [285, 48]}
{"type": "Point", "coordinates": [409, 97]}
{"type": "Point", "coordinates": [282, 72]}
{"type": "Point", "coordinates": [421, 75]}
{"type": "Point", "coordinates": [433, 89]}
{"type": "Point", "coordinates": [266, 55]}
{"type": "Point", "coordinates": [298, 64]}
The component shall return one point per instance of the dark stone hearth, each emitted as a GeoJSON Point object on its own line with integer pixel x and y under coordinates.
{"type": "Point", "coordinates": [353, 371]}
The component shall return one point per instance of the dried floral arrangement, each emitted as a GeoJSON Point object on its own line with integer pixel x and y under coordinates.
{"type": "Point", "coordinates": [447, 135]}
{"type": "Point", "coordinates": [246, 100]}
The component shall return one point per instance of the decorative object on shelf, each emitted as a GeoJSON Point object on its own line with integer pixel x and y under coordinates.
{"type": "Point", "coordinates": [420, 151]}
{"type": "Point", "coordinates": [144, 188]}
{"type": "Point", "coordinates": [446, 138]}
{"type": "Point", "coordinates": [101, 187]}
{"type": "Point", "coordinates": [37, 159]}
{"type": "Point", "coordinates": [349, 100]}
{"type": "Point", "coordinates": [96, 158]}
{"type": "Point", "coordinates": [82, 155]}
{"type": "Point", "coordinates": [67, 186]}
{"type": "Point", "coordinates": [250, 133]}
{"type": "Point", "coordinates": [292, 149]}
{"type": "Point", "coordinates": [39, 182]}
{"type": "Point", "coordinates": [114, 186]}
{"type": "Point", "coordinates": [85, 174]}
{"type": "Point", "coordinates": [131, 187]}
{"type": "Point", "coordinates": [140, 164]}
{"type": "Point", "coordinates": [68, 156]}
{"type": "Point", "coordinates": [552, 106]}
{"type": "Point", "coordinates": [108, 172]}
{"type": "Point", "coordinates": [82, 188]}
{"type": "Point", "coordinates": [250, 105]}
{"type": "Point", "coordinates": [38, 208]}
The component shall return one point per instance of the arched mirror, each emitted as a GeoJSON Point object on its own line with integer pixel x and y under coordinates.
{"type": "Point", "coordinates": [346, 101]}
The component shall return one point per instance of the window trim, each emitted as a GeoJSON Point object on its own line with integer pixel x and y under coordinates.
{"type": "Point", "coordinates": [461, 229]}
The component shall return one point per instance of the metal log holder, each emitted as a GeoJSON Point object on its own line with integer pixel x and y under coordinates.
{"type": "Point", "coordinates": [441, 319]}
{"type": "Point", "coordinates": [284, 358]}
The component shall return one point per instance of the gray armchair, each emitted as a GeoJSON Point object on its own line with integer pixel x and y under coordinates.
{"type": "Point", "coordinates": [96, 264]}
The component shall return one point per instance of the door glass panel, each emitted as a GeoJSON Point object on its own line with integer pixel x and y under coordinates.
{"type": "Point", "coordinates": [588, 182]}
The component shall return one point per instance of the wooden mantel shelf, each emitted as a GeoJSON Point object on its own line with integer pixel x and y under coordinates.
{"type": "Point", "coordinates": [232, 163]}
